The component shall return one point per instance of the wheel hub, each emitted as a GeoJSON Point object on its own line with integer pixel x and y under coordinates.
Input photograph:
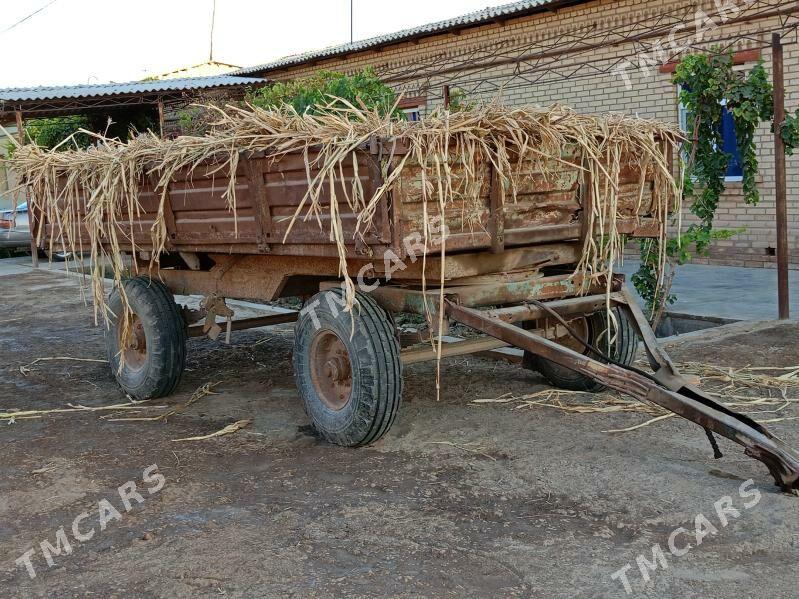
{"type": "Point", "coordinates": [133, 343]}
{"type": "Point", "coordinates": [331, 369]}
{"type": "Point", "coordinates": [559, 334]}
{"type": "Point", "coordinates": [338, 370]}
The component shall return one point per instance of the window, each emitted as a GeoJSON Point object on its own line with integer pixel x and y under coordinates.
{"type": "Point", "coordinates": [413, 114]}
{"type": "Point", "coordinates": [730, 145]}
{"type": "Point", "coordinates": [729, 140]}
{"type": "Point", "coordinates": [413, 107]}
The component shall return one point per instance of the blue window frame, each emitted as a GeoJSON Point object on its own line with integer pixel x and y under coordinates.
{"type": "Point", "coordinates": [729, 141]}
{"type": "Point", "coordinates": [730, 145]}
{"type": "Point", "coordinates": [413, 114]}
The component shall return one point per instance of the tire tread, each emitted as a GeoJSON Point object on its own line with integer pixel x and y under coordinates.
{"type": "Point", "coordinates": [373, 338]}
{"type": "Point", "coordinates": [166, 344]}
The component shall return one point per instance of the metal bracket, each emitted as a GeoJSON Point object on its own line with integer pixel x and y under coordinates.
{"type": "Point", "coordinates": [214, 306]}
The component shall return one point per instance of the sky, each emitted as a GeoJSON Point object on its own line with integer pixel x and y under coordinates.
{"type": "Point", "coordinates": [96, 41]}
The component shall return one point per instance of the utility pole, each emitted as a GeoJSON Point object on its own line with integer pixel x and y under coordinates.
{"type": "Point", "coordinates": [780, 182]}
{"type": "Point", "coordinates": [213, 22]}
{"type": "Point", "coordinates": [352, 21]}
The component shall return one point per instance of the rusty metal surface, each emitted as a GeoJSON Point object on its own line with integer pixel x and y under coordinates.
{"type": "Point", "coordinates": [498, 292]}
{"type": "Point", "coordinates": [264, 277]}
{"type": "Point", "coordinates": [685, 401]}
{"type": "Point", "coordinates": [465, 265]}
{"type": "Point", "coordinates": [331, 369]}
{"type": "Point", "coordinates": [547, 208]}
{"type": "Point", "coordinates": [449, 350]}
{"type": "Point", "coordinates": [133, 343]}
{"type": "Point", "coordinates": [538, 288]}
{"type": "Point", "coordinates": [213, 306]}
{"type": "Point", "coordinates": [253, 277]}
{"type": "Point", "coordinates": [566, 307]}
{"type": "Point", "coordinates": [665, 370]}
{"type": "Point", "coordinates": [249, 323]}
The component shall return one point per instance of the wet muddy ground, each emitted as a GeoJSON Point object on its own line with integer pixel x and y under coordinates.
{"type": "Point", "coordinates": [459, 499]}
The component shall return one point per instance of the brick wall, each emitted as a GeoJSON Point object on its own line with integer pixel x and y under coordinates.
{"type": "Point", "coordinates": [585, 79]}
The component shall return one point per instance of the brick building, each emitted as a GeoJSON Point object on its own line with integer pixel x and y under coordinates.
{"type": "Point", "coordinates": [596, 56]}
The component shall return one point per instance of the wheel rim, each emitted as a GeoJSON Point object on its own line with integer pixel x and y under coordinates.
{"type": "Point", "coordinates": [580, 326]}
{"type": "Point", "coordinates": [134, 343]}
{"type": "Point", "coordinates": [331, 369]}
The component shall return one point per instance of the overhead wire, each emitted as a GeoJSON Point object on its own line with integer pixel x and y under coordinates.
{"type": "Point", "coordinates": [28, 17]}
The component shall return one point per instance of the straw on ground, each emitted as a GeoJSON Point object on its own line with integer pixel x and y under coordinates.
{"type": "Point", "coordinates": [755, 391]}
{"type": "Point", "coordinates": [230, 428]}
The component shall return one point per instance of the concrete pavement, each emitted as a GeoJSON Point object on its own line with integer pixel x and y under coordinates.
{"type": "Point", "coordinates": [721, 291]}
{"type": "Point", "coordinates": [727, 291]}
{"type": "Point", "coordinates": [22, 264]}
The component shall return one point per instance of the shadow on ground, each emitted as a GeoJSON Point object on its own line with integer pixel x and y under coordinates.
{"type": "Point", "coordinates": [459, 499]}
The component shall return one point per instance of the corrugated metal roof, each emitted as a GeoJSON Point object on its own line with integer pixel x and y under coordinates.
{"type": "Point", "coordinates": [470, 19]}
{"type": "Point", "coordinates": [21, 94]}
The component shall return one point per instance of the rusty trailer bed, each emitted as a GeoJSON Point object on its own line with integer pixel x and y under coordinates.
{"type": "Point", "coordinates": [508, 273]}
{"type": "Point", "coordinates": [549, 207]}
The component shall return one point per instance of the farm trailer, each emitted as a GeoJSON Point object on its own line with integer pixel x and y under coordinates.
{"type": "Point", "coordinates": [508, 272]}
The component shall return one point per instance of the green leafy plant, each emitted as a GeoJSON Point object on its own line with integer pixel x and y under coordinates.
{"type": "Point", "coordinates": [124, 124]}
{"type": "Point", "coordinates": [321, 92]}
{"type": "Point", "coordinates": [49, 133]}
{"type": "Point", "coordinates": [647, 280]}
{"type": "Point", "coordinates": [789, 131]}
{"type": "Point", "coordinates": [325, 90]}
{"type": "Point", "coordinates": [194, 120]}
{"type": "Point", "coordinates": [707, 83]}
{"type": "Point", "coordinates": [750, 100]}
{"type": "Point", "coordinates": [458, 100]}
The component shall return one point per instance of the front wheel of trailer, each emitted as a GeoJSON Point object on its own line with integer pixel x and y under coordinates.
{"type": "Point", "coordinates": [612, 334]}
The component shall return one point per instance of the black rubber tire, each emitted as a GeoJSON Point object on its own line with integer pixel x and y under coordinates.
{"type": "Point", "coordinates": [375, 365]}
{"type": "Point", "coordinates": [165, 334]}
{"type": "Point", "coordinates": [623, 351]}
{"type": "Point", "coordinates": [59, 256]}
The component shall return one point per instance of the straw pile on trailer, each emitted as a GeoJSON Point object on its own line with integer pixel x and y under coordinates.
{"type": "Point", "coordinates": [502, 136]}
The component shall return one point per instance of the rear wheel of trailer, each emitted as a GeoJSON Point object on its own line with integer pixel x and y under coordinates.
{"type": "Point", "coordinates": [147, 353]}
{"type": "Point", "coordinates": [347, 368]}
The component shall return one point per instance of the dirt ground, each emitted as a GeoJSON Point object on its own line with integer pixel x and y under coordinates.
{"type": "Point", "coordinates": [459, 499]}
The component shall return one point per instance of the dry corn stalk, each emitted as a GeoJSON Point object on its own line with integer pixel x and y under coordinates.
{"type": "Point", "coordinates": [110, 173]}
{"type": "Point", "coordinates": [751, 390]}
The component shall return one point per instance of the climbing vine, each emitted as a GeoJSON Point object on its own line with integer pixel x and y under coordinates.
{"type": "Point", "coordinates": [789, 131]}
{"type": "Point", "coordinates": [709, 85]}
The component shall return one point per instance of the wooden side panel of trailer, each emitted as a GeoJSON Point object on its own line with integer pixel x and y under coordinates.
{"type": "Point", "coordinates": [549, 206]}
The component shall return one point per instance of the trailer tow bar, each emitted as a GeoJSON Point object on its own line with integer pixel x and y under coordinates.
{"type": "Point", "coordinates": [667, 388]}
